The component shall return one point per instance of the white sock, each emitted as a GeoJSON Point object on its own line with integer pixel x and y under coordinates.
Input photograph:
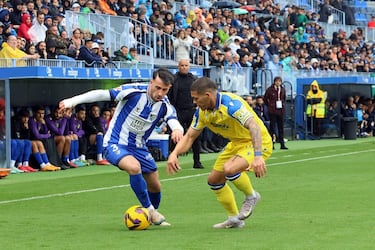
{"type": "Point", "coordinates": [100, 157]}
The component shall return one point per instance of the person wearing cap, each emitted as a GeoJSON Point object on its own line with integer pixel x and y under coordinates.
{"type": "Point", "coordinates": [91, 59]}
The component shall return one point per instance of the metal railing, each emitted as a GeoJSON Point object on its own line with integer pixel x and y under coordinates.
{"type": "Point", "coordinates": [123, 31]}
{"type": "Point", "coordinates": [11, 63]}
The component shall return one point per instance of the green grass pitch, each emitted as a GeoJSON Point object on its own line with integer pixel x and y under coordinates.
{"type": "Point", "coordinates": [317, 195]}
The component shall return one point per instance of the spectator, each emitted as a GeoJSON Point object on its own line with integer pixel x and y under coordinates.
{"type": "Point", "coordinates": [91, 59]}
{"type": "Point", "coordinates": [37, 31]}
{"type": "Point", "coordinates": [39, 133]}
{"type": "Point", "coordinates": [10, 51]}
{"type": "Point", "coordinates": [41, 49]}
{"type": "Point", "coordinates": [261, 110]}
{"type": "Point", "coordinates": [133, 56]}
{"type": "Point", "coordinates": [181, 45]}
{"type": "Point", "coordinates": [274, 98]}
{"type": "Point", "coordinates": [76, 43]}
{"type": "Point", "coordinates": [26, 24]}
{"type": "Point", "coordinates": [349, 108]}
{"type": "Point", "coordinates": [121, 54]}
{"type": "Point", "coordinates": [54, 39]}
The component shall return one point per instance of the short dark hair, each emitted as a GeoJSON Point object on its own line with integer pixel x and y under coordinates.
{"type": "Point", "coordinates": [164, 74]}
{"type": "Point", "coordinates": [201, 85]}
{"type": "Point", "coordinates": [79, 108]}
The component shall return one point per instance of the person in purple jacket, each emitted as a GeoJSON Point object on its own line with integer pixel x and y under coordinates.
{"type": "Point", "coordinates": [74, 144]}
{"type": "Point", "coordinates": [76, 128]}
{"type": "Point", "coordinates": [39, 132]}
{"type": "Point", "coordinates": [56, 123]}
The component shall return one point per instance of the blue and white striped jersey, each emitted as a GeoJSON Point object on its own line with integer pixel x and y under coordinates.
{"type": "Point", "coordinates": [136, 115]}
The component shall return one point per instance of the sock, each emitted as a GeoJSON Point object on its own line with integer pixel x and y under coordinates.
{"type": "Point", "coordinates": [65, 159]}
{"type": "Point", "coordinates": [155, 199]}
{"type": "Point", "coordinates": [99, 157]}
{"type": "Point", "coordinates": [75, 149]}
{"type": "Point", "coordinates": [82, 157]}
{"type": "Point", "coordinates": [26, 152]}
{"type": "Point", "coordinates": [38, 158]}
{"type": "Point", "coordinates": [12, 163]}
{"type": "Point", "coordinates": [225, 196]}
{"type": "Point", "coordinates": [242, 183]}
{"type": "Point", "coordinates": [44, 157]}
{"type": "Point", "coordinates": [71, 153]}
{"type": "Point", "coordinates": [139, 187]}
{"type": "Point", "coordinates": [99, 144]}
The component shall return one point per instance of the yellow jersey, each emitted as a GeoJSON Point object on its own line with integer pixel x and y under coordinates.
{"type": "Point", "coordinates": [228, 119]}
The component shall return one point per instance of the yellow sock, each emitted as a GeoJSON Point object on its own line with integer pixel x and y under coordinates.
{"type": "Point", "coordinates": [243, 183]}
{"type": "Point", "coordinates": [226, 198]}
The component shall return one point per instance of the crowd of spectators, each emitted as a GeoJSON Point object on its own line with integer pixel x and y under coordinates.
{"type": "Point", "coordinates": [290, 33]}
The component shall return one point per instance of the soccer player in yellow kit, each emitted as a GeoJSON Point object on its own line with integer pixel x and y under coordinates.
{"type": "Point", "coordinates": [249, 145]}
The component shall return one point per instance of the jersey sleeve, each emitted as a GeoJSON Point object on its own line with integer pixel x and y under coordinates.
{"type": "Point", "coordinates": [238, 111]}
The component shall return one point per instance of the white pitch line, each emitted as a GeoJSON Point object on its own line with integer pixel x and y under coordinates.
{"type": "Point", "coordinates": [170, 179]}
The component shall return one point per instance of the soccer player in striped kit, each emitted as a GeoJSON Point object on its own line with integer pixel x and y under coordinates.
{"type": "Point", "coordinates": [140, 107]}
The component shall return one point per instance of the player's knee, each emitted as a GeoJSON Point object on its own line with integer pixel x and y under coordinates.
{"type": "Point", "coordinates": [228, 170]}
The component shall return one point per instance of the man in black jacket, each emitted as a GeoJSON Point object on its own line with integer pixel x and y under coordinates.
{"type": "Point", "coordinates": [180, 98]}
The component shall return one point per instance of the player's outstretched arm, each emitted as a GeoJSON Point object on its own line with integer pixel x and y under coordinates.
{"type": "Point", "coordinates": [88, 97]}
{"type": "Point", "coordinates": [182, 146]}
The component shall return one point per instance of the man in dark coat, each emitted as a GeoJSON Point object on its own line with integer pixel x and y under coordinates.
{"type": "Point", "coordinates": [274, 98]}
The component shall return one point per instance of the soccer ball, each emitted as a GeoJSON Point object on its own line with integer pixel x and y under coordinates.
{"type": "Point", "coordinates": [137, 218]}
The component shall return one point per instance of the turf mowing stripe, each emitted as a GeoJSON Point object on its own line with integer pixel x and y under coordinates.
{"type": "Point", "coordinates": [172, 179]}
{"type": "Point", "coordinates": [90, 190]}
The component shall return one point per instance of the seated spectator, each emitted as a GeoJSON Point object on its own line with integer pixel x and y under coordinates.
{"type": "Point", "coordinates": [38, 133]}
{"type": "Point", "coordinates": [76, 42]}
{"type": "Point", "coordinates": [10, 51]}
{"type": "Point", "coordinates": [121, 54]}
{"type": "Point", "coordinates": [90, 58]}
{"type": "Point", "coordinates": [53, 38]}
{"type": "Point", "coordinates": [20, 143]}
{"type": "Point", "coordinates": [133, 56]}
{"type": "Point", "coordinates": [349, 109]}
{"type": "Point", "coordinates": [41, 49]}
{"type": "Point", "coordinates": [56, 123]}
{"type": "Point", "coordinates": [261, 110]}
{"type": "Point", "coordinates": [95, 133]}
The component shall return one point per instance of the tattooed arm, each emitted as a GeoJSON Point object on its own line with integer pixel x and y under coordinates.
{"type": "Point", "coordinates": [258, 164]}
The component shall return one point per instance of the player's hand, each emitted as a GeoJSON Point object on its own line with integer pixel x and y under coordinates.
{"type": "Point", "coordinates": [176, 135]}
{"type": "Point", "coordinates": [258, 166]}
{"type": "Point", "coordinates": [172, 164]}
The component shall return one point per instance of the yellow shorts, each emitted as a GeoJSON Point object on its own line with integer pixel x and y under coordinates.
{"type": "Point", "coordinates": [245, 150]}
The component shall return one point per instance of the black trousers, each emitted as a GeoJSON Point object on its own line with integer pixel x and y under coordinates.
{"type": "Point", "coordinates": [185, 117]}
{"type": "Point", "coordinates": [277, 120]}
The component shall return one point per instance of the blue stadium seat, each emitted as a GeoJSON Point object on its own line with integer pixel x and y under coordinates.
{"type": "Point", "coordinates": [360, 4]}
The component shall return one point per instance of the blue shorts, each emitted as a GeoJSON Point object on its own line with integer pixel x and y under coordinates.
{"type": "Point", "coordinates": [114, 153]}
